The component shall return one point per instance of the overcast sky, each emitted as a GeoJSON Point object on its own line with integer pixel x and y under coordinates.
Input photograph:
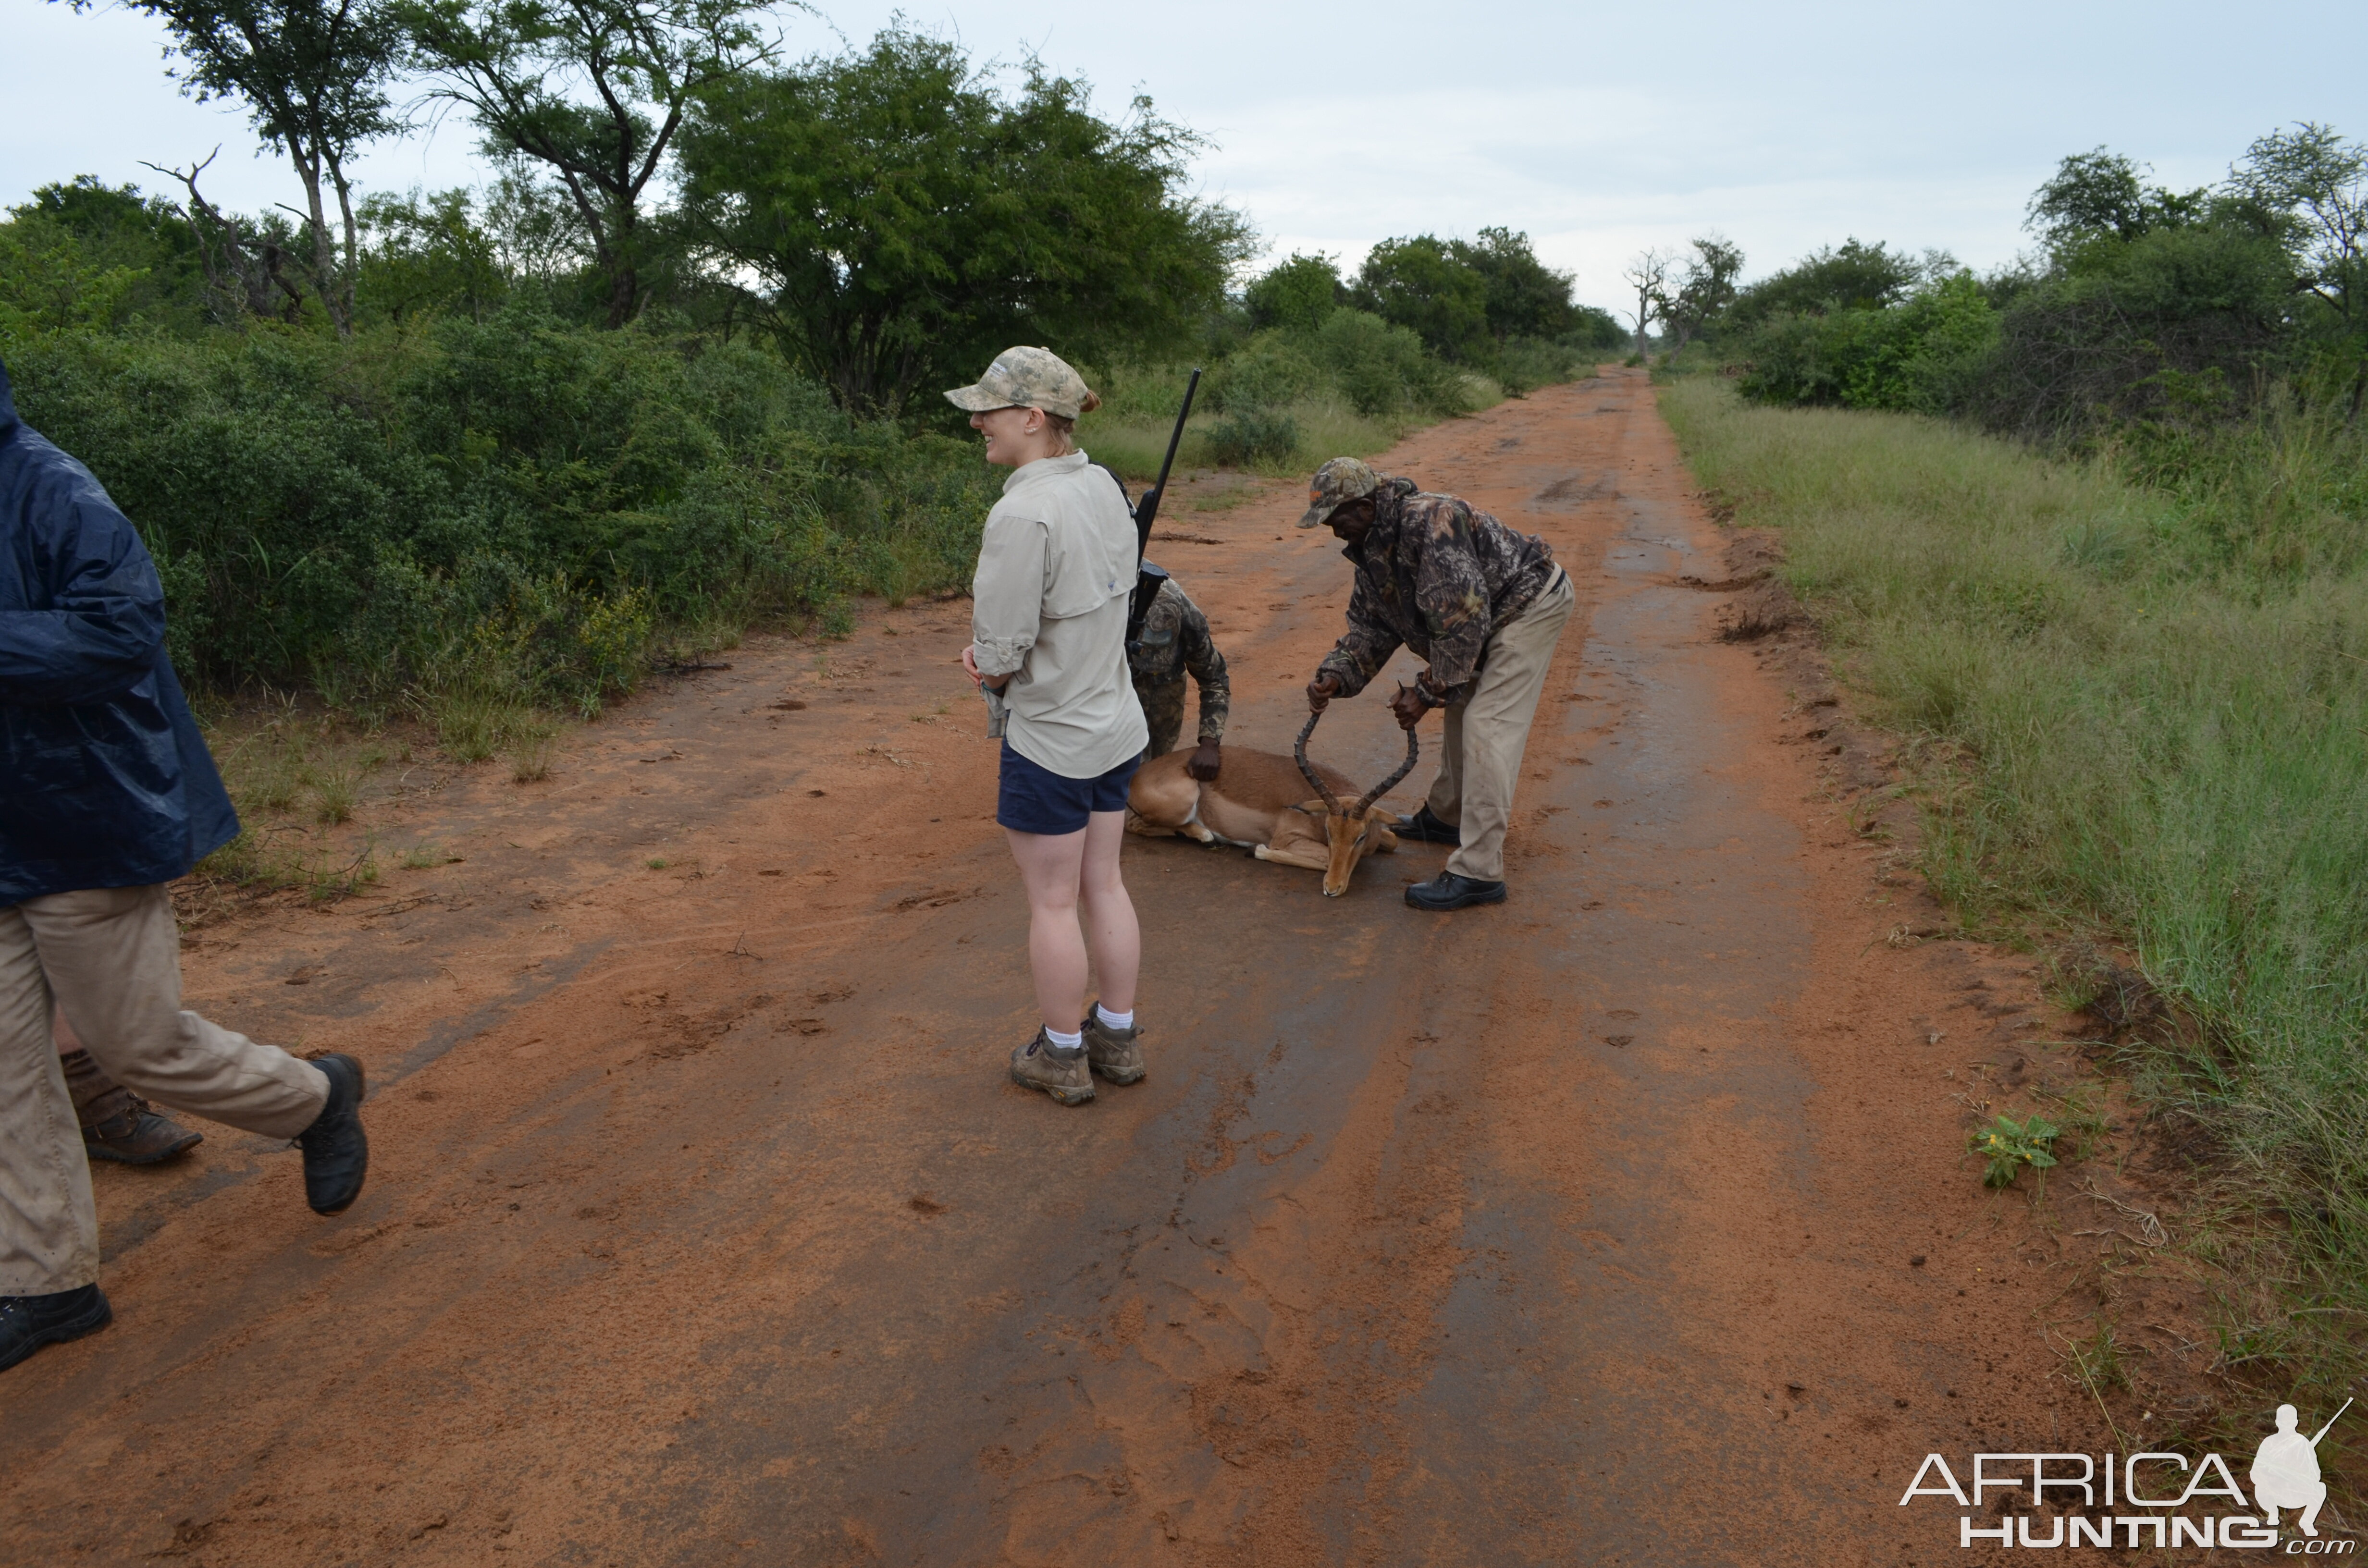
{"type": "Point", "coordinates": [1599, 129]}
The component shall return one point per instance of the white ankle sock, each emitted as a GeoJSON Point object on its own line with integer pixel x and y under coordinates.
{"type": "Point", "coordinates": [1114, 1020]}
{"type": "Point", "coordinates": [1065, 1042]}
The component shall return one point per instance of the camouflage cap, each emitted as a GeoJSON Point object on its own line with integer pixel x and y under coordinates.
{"type": "Point", "coordinates": [1338, 482]}
{"type": "Point", "coordinates": [1025, 377]}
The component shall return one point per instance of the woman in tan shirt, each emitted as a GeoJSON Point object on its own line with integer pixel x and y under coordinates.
{"type": "Point", "coordinates": [1055, 564]}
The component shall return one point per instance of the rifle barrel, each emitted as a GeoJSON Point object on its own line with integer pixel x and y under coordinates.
{"type": "Point", "coordinates": [2331, 1420]}
{"type": "Point", "coordinates": [1147, 509]}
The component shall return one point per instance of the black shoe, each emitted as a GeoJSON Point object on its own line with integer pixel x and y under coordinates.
{"type": "Point", "coordinates": [1447, 891]}
{"type": "Point", "coordinates": [27, 1322]}
{"type": "Point", "coordinates": [1426, 828]}
{"type": "Point", "coordinates": [337, 1155]}
{"type": "Point", "coordinates": [136, 1135]}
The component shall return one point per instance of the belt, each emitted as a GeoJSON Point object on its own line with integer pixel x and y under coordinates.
{"type": "Point", "coordinates": [1556, 581]}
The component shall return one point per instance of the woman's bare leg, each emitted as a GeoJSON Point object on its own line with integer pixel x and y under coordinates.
{"type": "Point", "coordinates": [1049, 866]}
{"type": "Point", "coordinates": [1062, 872]}
{"type": "Point", "coordinates": [1112, 934]}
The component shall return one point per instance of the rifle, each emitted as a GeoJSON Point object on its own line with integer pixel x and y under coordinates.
{"type": "Point", "coordinates": [1147, 579]}
{"type": "Point", "coordinates": [2331, 1420]}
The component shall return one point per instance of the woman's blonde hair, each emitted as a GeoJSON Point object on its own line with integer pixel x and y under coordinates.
{"type": "Point", "coordinates": [1067, 428]}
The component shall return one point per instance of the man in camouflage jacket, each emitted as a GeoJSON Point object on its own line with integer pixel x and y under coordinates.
{"type": "Point", "coordinates": [1485, 606]}
{"type": "Point", "coordinates": [1176, 642]}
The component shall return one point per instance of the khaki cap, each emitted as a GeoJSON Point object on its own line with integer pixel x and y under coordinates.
{"type": "Point", "coordinates": [1025, 377]}
{"type": "Point", "coordinates": [1341, 481]}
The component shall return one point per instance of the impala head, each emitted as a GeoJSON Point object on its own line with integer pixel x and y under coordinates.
{"type": "Point", "coordinates": [1349, 829]}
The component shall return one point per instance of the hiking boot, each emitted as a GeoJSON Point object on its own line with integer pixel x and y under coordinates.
{"type": "Point", "coordinates": [1116, 1054]}
{"type": "Point", "coordinates": [115, 1123]}
{"type": "Point", "coordinates": [1426, 828]}
{"type": "Point", "coordinates": [337, 1153]}
{"type": "Point", "coordinates": [1063, 1074]}
{"type": "Point", "coordinates": [1447, 890]}
{"type": "Point", "coordinates": [27, 1322]}
{"type": "Point", "coordinates": [137, 1136]}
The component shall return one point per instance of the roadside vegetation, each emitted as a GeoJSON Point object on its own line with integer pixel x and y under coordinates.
{"type": "Point", "coordinates": [480, 459]}
{"type": "Point", "coordinates": [2090, 535]}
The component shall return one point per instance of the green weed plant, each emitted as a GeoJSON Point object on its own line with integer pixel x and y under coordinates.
{"type": "Point", "coordinates": [2009, 1148]}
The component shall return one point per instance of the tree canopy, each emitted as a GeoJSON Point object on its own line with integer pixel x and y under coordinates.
{"type": "Point", "coordinates": [900, 220]}
{"type": "Point", "coordinates": [1707, 284]}
{"type": "Point", "coordinates": [313, 76]}
{"type": "Point", "coordinates": [2101, 194]}
{"type": "Point", "coordinates": [1522, 296]}
{"type": "Point", "coordinates": [1422, 285]}
{"type": "Point", "coordinates": [595, 89]}
{"type": "Point", "coordinates": [1296, 294]}
{"type": "Point", "coordinates": [2315, 184]}
{"type": "Point", "coordinates": [1854, 275]}
{"type": "Point", "coordinates": [1467, 299]}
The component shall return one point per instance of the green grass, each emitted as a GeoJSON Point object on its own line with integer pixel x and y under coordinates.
{"type": "Point", "coordinates": [295, 771]}
{"type": "Point", "coordinates": [2137, 712]}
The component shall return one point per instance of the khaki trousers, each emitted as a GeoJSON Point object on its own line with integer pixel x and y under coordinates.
{"type": "Point", "coordinates": [1480, 761]}
{"type": "Point", "coordinates": [110, 959]}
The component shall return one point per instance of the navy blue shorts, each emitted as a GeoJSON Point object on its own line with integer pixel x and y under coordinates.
{"type": "Point", "coordinates": [1034, 798]}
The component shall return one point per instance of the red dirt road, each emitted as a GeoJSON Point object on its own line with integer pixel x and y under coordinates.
{"type": "Point", "coordinates": [704, 1229]}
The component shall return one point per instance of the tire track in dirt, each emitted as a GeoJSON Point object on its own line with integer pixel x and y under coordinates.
{"type": "Point", "coordinates": [703, 1229]}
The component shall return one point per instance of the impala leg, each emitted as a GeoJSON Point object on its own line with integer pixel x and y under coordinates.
{"type": "Point", "coordinates": [1287, 858]}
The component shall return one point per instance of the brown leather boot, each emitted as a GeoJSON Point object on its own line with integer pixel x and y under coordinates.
{"type": "Point", "coordinates": [117, 1124]}
{"type": "Point", "coordinates": [1116, 1054]}
{"type": "Point", "coordinates": [1062, 1075]}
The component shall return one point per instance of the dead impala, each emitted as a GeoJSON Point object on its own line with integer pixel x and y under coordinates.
{"type": "Point", "coordinates": [1255, 803]}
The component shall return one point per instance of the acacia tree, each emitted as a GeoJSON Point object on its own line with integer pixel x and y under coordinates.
{"type": "Point", "coordinates": [1648, 274]}
{"type": "Point", "coordinates": [1525, 297]}
{"type": "Point", "coordinates": [244, 262]}
{"type": "Point", "coordinates": [905, 220]}
{"type": "Point", "coordinates": [2317, 182]}
{"type": "Point", "coordinates": [597, 89]}
{"type": "Point", "coordinates": [1297, 293]}
{"type": "Point", "coordinates": [1467, 299]}
{"type": "Point", "coordinates": [1424, 285]}
{"type": "Point", "coordinates": [2101, 194]}
{"type": "Point", "coordinates": [1706, 286]}
{"type": "Point", "coordinates": [1853, 276]}
{"type": "Point", "coordinates": [313, 75]}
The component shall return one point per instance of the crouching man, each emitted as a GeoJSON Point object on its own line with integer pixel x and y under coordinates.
{"type": "Point", "coordinates": [1486, 607]}
{"type": "Point", "coordinates": [1175, 640]}
{"type": "Point", "coordinates": [106, 793]}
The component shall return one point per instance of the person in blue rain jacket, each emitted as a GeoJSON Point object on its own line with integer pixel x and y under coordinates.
{"type": "Point", "coordinates": [107, 794]}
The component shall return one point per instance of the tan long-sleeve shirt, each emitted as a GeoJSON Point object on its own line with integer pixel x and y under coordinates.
{"type": "Point", "coordinates": [1055, 564]}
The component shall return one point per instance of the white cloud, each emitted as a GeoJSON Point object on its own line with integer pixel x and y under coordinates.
{"type": "Point", "coordinates": [1597, 130]}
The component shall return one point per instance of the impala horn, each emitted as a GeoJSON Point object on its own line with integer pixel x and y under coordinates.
{"type": "Point", "coordinates": [1299, 755]}
{"type": "Point", "coordinates": [1413, 752]}
{"type": "Point", "coordinates": [1364, 803]}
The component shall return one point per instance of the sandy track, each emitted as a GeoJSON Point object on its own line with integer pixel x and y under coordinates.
{"type": "Point", "coordinates": [704, 1227]}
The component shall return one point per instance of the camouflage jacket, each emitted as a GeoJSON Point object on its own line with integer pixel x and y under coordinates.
{"type": "Point", "coordinates": [1438, 576]}
{"type": "Point", "coordinates": [1176, 641]}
